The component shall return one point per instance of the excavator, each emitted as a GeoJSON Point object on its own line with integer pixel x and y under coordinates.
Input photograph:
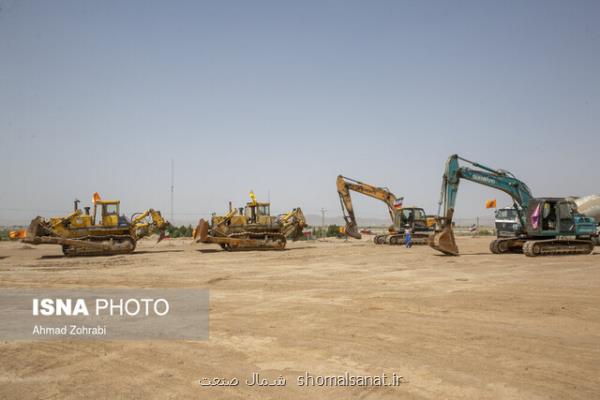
{"type": "Point", "coordinates": [414, 217]}
{"type": "Point", "coordinates": [251, 228]}
{"type": "Point", "coordinates": [102, 232]}
{"type": "Point", "coordinates": [549, 226]}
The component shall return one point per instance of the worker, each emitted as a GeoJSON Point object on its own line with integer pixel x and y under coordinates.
{"type": "Point", "coordinates": [407, 237]}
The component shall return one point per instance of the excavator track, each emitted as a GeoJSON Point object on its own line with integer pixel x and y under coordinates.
{"type": "Point", "coordinates": [557, 247]}
{"type": "Point", "coordinates": [398, 239]}
{"type": "Point", "coordinates": [507, 245]}
{"type": "Point", "coordinates": [379, 239]}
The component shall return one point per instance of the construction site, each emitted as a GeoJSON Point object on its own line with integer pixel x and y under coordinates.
{"type": "Point", "coordinates": [523, 324]}
{"type": "Point", "coordinates": [299, 200]}
{"type": "Point", "coordinates": [479, 326]}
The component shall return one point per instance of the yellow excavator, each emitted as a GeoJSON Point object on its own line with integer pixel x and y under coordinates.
{"type": "Point", "coordinates": [402, 217]}
{"type": "Point", "coordinates": [251, 228]}
{"type": "Point", "coordinates": [104, 231]}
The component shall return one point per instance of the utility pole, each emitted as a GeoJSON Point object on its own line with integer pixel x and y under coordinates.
{"type": "Point", "coordinates": [323, 210]}
{"type": "Point", "coordinates": [172, 189]}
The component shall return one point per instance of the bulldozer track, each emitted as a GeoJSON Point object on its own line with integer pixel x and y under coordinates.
{"type": "Point", "coordinates": [246, 240]}
{"type": "Point", "coordinates": [111, 245]}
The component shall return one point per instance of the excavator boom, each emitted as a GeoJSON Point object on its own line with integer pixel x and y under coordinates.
{"type": "Point", "coordinates": [345, 185]}
{"type": "Point", "coordinates": [444, 240]}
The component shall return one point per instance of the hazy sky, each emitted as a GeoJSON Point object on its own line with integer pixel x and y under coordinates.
{"type": "Point", "coordinates": [282, 96]}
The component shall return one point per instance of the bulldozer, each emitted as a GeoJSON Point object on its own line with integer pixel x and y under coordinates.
{"type": "Point", "coordinates": [251, 228]}
{"type": "Point", "coordinates": [548, 226]}
{"type": "Point", "coordinates": [104, 231]}
{"type": "Point", "coordinates": [402, 217]}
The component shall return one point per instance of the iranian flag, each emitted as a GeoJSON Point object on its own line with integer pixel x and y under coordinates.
{"type": "Point", "coordinates": [398, 202]}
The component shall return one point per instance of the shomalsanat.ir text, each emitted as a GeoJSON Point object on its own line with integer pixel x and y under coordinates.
{"type": "Point", "coordinates": [348, 379]}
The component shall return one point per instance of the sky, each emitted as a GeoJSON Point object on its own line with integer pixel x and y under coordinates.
{"type": "Point", "coordinates": [280, 97]}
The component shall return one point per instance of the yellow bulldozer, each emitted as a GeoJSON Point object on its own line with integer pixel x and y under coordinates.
{"type": "Point", "coordinates": [251, 228]}
{"type": "Point", "coordinates": [104, 231]}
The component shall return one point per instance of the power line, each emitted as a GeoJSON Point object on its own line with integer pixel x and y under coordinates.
{"type": "Point", "coordinates": [172, 189]}
{"type": "Point", "coordinates": [323, 211]}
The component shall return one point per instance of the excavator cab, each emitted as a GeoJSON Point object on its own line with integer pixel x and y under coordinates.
{"type": "Point", "coordinates": [557, 217]}
{"type": "Point", "coordinates": [412, 216]}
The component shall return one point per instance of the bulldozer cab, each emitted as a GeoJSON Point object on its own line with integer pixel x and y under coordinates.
{"type": "Point", "coordinates": [258, 213]}
{"type": "Point", "coordinates": [109, 212]}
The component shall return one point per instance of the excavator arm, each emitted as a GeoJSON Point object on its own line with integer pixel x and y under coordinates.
{"type": "Point", "coordinates": [443, 240]}
{"type": "Point", "coordinates": [345, 185]}
{"type": "Point", "coordinates": [146, 223]}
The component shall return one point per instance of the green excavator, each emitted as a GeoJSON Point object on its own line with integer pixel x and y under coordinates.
{"type": "Point", "coordinates": [549, 226]}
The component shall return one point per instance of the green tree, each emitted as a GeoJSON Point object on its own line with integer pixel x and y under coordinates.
{"type": "Point", "coordinates": [333, 231]}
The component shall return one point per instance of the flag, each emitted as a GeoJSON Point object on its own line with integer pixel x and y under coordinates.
{"type": "Point", "coordinates": [398, 202]}
{"type": "Point", "coordinates": [252, 197]}
{"type": "Point", "coordinates": [535, 217]}
{"type": "Point", "coordinates": [490, 203]}
{"type": "Point", "coordinates": [96, 198]}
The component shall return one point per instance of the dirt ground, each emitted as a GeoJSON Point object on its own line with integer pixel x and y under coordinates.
{"type": "Point", "coordinates": [478, 326]}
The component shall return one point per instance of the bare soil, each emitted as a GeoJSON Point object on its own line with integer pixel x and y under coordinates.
{"type": "Point", "coordinates": [478, 326]}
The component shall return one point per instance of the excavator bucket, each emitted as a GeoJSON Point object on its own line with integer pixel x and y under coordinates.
{"type": "Point", "coordinates": [201, 231]}
{"type": "Point", "coordinates": [352, 231]}
{"type": "Point", "coordinates": [444, 241]}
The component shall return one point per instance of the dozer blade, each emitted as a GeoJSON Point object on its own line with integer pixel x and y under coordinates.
{"type": "Point", "coordinates": [444, 241]}
{"type": "Point", "coordinates": [352, 231]}
{"type": "Point", "coordinates": [201, 231]}
{"type": "Point", "coordinates": [35, 229]}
